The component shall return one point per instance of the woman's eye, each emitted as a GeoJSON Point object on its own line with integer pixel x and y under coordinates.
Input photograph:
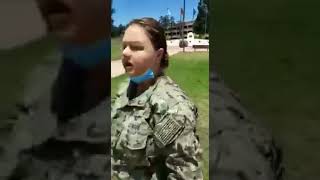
{"type": "Point", "coordinates": [136, 48]}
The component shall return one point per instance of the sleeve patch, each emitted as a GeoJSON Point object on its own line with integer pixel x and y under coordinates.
{"type": "Point", "coordinates": [166, 131]}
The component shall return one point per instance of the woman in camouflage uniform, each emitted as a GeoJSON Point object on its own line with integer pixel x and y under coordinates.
{"type": "Point", "coordinates": [153, 121]}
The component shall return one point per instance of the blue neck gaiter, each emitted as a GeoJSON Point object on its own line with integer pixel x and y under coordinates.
{"type": "Point", "coordinates": [146, 76]}
{"type": "Point", "coordinates": [87, 56]}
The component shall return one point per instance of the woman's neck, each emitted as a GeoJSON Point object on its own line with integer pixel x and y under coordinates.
{"type": "Point", "coordinates": [135, 90]}
{"type": "Point", "coordinates": [144, 86]}
{"type": "Point", "coordinates": [97, 85]}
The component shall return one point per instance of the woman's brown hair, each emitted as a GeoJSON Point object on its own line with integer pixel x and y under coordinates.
{"type": "Point", "coordinates": [156, 34]}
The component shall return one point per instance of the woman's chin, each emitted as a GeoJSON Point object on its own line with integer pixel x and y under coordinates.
{"type": "Point", "coordinates": [130, 73]}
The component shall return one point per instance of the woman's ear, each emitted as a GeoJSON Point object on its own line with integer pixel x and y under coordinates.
{"type": "Point", "coordinates": [160, 54]}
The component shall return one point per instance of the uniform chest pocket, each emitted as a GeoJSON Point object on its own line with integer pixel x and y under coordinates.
{"type": "Point", "coordinates": [135, 137]}
{"type": "Point", "coordinates": [137, 133]}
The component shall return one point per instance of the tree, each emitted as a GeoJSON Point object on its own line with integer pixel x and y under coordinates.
{"type": "Point", "coordinates": [112, 12]}
{"type": "Point", "coordinates": [116, 31]}
{"type": "Point", "coordinates": [166, 21]}
{"type": "Point", "coordinates": [113, 28]}
{"type": "Point", "coordinates": [121, 29]}
{"type": "Point", "coordinates": [201, 24]}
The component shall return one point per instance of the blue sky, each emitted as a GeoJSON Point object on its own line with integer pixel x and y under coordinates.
{"type": "Point", "coordinates": [126, 10]}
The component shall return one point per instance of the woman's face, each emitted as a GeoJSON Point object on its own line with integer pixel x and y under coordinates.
{"type": "Point", "coordinates": [138, 54]}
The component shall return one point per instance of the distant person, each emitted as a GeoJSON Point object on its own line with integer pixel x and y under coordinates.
{"type": "Point", "coordinates": [153, 132]}
{"type": "Point", "coordinates": [62, 129]}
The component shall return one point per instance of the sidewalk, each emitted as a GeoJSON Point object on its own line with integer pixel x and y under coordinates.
{"type": "Point", "coordinates": [117, 68]}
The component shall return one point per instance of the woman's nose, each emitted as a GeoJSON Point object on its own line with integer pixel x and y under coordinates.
{"type": "Point", "coordinates": [126, 51]}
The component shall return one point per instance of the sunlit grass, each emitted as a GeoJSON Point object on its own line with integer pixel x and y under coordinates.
{"type": "Point", "coordinates": [116, 48]}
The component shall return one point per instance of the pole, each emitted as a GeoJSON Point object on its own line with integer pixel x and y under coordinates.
{"type": "Point", "coordinates": [205, 25]}
{"type": "Point", "coordinates": [170, 31]}
{"type": "Point", "coordinates": [184, 13]}
{"type": "Point", "coordinates": [180, 26]}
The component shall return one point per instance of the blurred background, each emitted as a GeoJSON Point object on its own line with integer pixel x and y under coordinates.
{"type": "Point", "coordinates": [23, 45]}
{"type": "Point", "coordinates": [268, 52]}
{"type": "Point", "coordinates": [21, 22]}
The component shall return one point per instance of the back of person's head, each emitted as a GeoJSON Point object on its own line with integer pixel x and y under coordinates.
{"type": "Point", "coordinates": [156, 34]}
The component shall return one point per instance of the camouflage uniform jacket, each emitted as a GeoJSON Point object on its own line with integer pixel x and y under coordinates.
{"type": "Point", "coordinates": [153, 135]}
{"type": "Point", "coordinates": [39, 147]}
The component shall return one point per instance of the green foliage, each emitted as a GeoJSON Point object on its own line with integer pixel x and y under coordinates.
{"type": "Point", "coordinates": [201, 24]}
{"type": "Point", "coordinates": [116, 31]}
{"type": "Point", "coordinates": [166, 21]}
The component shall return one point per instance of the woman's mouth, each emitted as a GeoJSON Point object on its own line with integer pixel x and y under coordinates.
{"type": "Point", "coordinates": [127, 66]}
{"type": "Point", "coordinates": [56, 13]}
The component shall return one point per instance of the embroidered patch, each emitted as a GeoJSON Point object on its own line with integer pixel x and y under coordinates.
{"type": "Point", "coordinates": [166, 131]}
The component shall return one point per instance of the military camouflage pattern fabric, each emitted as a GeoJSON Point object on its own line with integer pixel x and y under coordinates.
{"type": "Point", "coordinates": [37, 146]}
{"type": "Point", "coordinates": [153, 135]}
{"type": "Point", "coordinates": [239, 148]}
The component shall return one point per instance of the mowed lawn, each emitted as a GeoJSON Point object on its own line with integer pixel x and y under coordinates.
{"type": "Point", "coordinates": [191, 72]}
{"type": "Point", "coordinates": [268, 51]}
{"type": "Point", "coordinates": [116, 48]}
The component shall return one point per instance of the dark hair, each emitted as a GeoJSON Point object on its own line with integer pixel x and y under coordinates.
{"type": "Point", "coordinates": [156, 34]}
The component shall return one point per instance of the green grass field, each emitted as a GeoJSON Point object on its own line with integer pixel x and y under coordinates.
{"type": "Point", "coordinates": [268, 52]}
{"type": "Point", "coordinates": [191, 72]}
{"type": "Point", "coordinates": [116, 48]}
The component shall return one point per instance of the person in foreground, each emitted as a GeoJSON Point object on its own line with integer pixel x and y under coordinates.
{"type": "Point", "coordinates": [153, 133]}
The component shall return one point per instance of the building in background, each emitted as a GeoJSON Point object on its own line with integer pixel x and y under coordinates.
{"type": "Point", "coordinates": [175, 31]}
{"type": "Point", "coordinates": [174, 35]}
{"type": "Point", "coordinates": [190, 38]}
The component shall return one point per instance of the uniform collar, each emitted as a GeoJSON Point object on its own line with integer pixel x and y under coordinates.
{"type": "Point", "coordinates": [141, 100]}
